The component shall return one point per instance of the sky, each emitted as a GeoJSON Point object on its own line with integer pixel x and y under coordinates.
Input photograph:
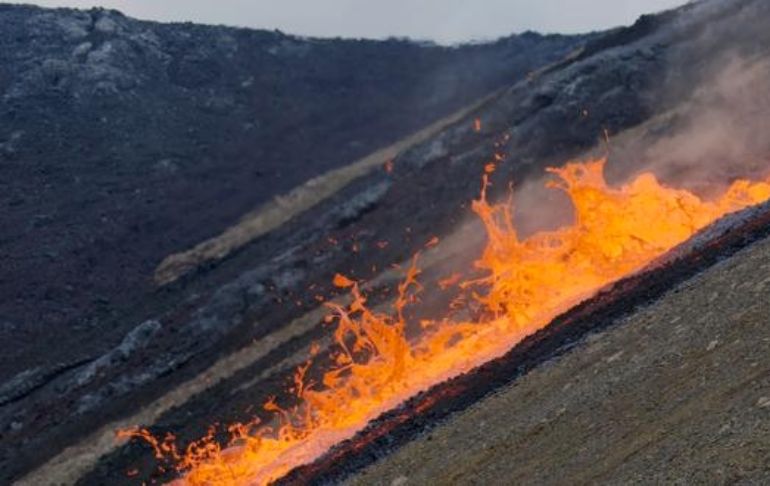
{"type": "Point", "coordinates": [443, 21]}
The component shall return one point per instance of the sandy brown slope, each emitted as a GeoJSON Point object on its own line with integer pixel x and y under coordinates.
{"type": "Point", "coordinates": [677, 393]}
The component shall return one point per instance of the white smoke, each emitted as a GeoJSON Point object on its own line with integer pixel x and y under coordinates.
{"type": "Point", "coordinates": [718, 135]}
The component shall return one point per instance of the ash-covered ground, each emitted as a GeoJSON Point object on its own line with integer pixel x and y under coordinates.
{"type": "Point", "coordinates": [96, 341]}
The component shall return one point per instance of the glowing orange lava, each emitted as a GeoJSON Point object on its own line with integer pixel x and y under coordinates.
{"type": "Point", "coordinates": [616, 231]}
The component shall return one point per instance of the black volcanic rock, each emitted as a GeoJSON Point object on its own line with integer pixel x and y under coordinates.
{"type": "Point", "coordinates": [124, 141]}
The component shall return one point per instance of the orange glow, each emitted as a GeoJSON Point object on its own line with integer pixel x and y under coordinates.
{"type": "Point", "coordinates": [449, 281]}
{"type": "Point", "coordinates": [342, 281]}
{"type": "Point", "coordinates": [526, 283]}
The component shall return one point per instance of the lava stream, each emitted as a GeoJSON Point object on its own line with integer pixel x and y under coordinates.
{"type": "Point", "coordinates": [616, 231]}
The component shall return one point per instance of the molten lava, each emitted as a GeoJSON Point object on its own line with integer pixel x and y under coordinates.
{"type": "Point", "coordinates": [527, 282]}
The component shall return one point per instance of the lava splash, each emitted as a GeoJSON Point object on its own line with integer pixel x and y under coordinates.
{"type": "Point", "coordinates": [526, 283]}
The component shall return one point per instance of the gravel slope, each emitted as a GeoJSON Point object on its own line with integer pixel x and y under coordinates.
{"type": "Point", "coordinates": [677, 393]}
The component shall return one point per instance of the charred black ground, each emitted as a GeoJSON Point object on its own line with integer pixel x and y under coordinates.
{"type": "Point", "coordinates": [122, 141]}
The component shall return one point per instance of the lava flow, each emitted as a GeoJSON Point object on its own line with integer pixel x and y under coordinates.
{"type": "Point", "coordinates": [526, 283]}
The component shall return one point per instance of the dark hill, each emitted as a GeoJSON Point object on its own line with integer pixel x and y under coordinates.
{"type": "Point", "coordinates": [123, 141]}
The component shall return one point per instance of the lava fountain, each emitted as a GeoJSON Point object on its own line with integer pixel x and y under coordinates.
{"type": "Point", "coordinates": [527, 282]}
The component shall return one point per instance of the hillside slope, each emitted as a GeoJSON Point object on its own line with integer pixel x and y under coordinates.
{"type": "Point", "coordinates": [677, 393]}
{"type": "Point", "coordinates": [123, 141]}
{"type": "Point", "coordinates": [214, 345]}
